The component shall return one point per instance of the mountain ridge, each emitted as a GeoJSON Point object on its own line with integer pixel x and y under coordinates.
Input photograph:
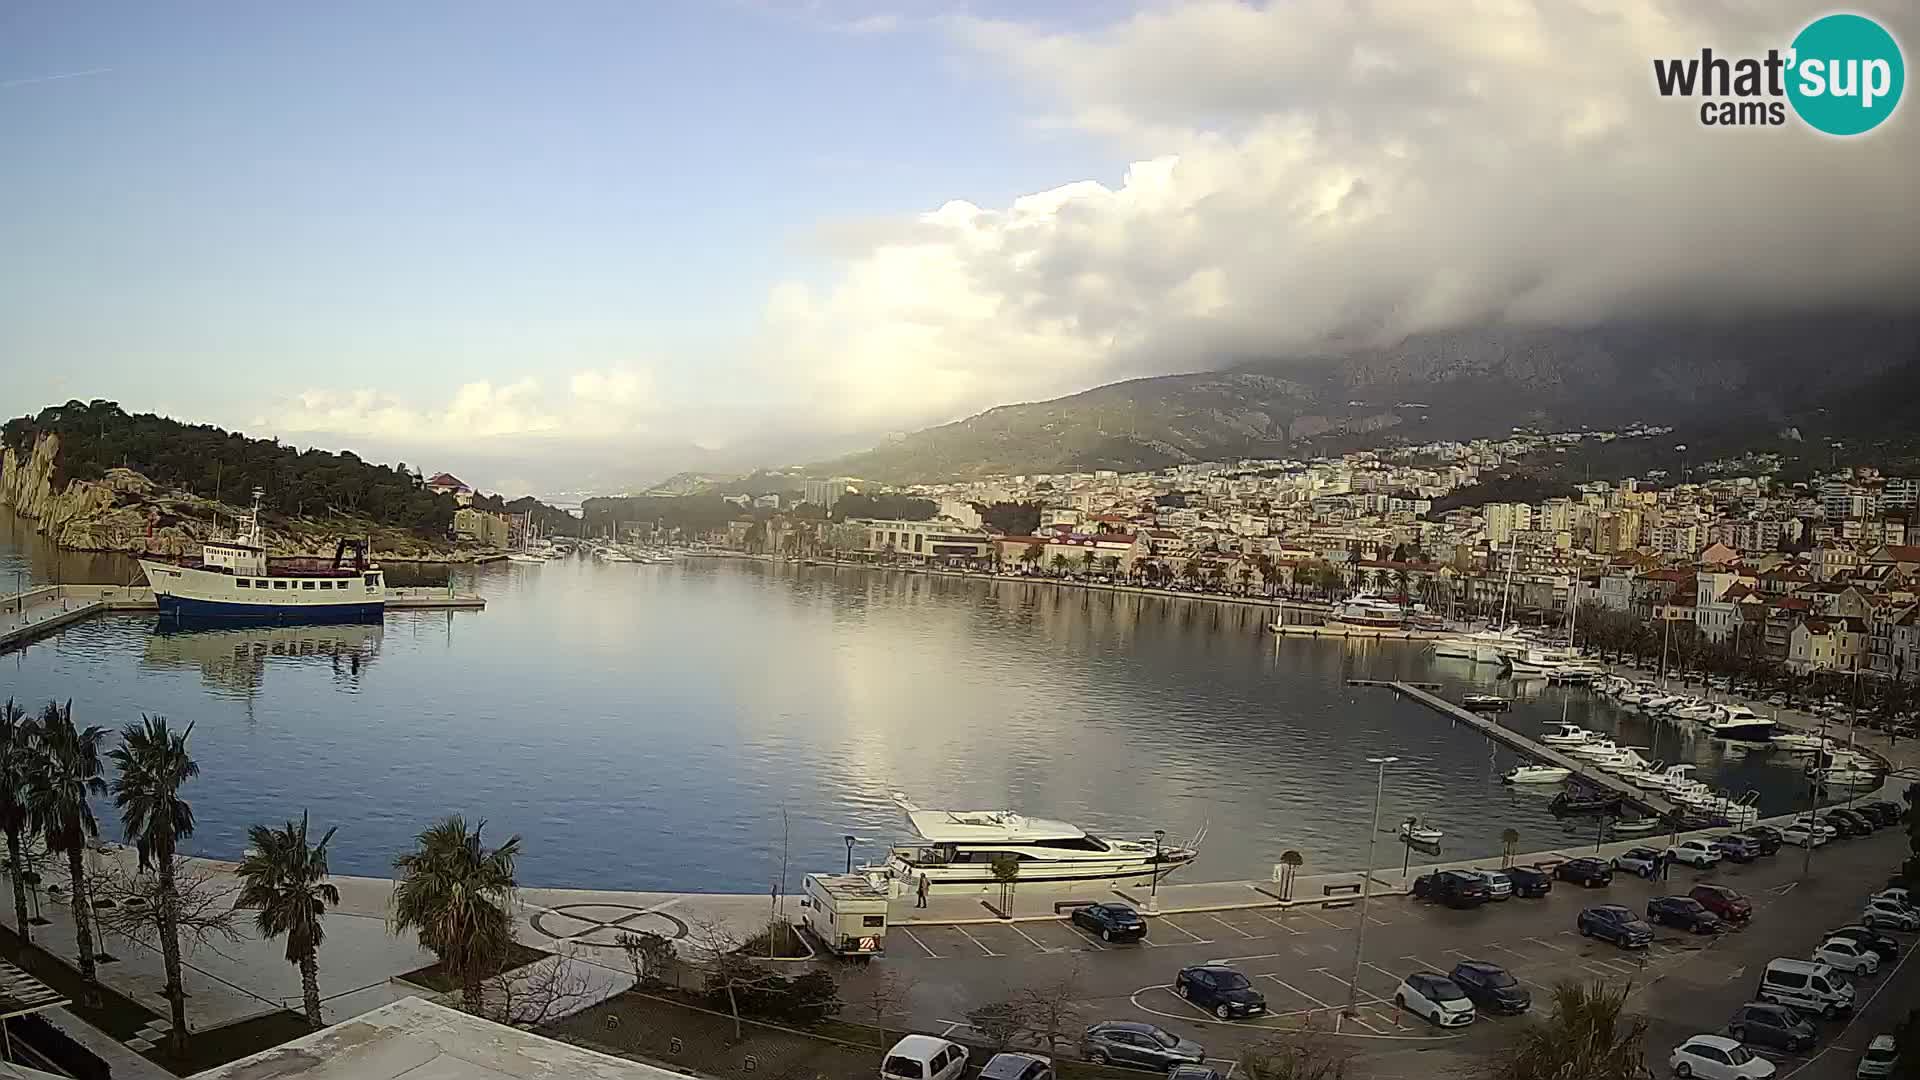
{"type": "Point", "coordinates": [1447, 384]}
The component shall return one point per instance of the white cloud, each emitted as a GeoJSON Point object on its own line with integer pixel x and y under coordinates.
{"type": "Point", "coordinates": [1319, 170]}
{"type": "Point", "coordinates": [597, 404]}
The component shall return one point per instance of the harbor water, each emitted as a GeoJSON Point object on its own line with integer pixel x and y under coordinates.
{"type": "Point", "coordinates": [679, 727]}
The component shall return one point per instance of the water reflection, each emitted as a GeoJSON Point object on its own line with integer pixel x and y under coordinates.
{"type": "Point", "coordinates": [235, 660]}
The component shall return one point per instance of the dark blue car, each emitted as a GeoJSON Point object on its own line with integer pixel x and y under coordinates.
{"type": "Point", "coordinates": [1111, 922]}
{"type": "Point", "coordinates": [1220, 990]}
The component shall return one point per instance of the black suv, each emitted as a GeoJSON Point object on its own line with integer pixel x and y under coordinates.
{"type": "Point", "coordinates": [1454, 888]}
{"type": "Point", "coordinates": [1220, 990]}
{"type": "Point", "coordinates": [1585, 872]}
{"type": "Point", "coordinates": [1530, 880]}
{"type": "Point", "coordinates": [1113, 922]}
{"type": "Point", "coordinates": [1771, 1025]}
{"type": "Point", "coordinates": [1766, 836]}
{"type": "Point", "coordinates": [1843, 825]}
{"type": "Point", "coordinates": [1862, 823]}
{"type": "Point", "coordinates": [1684, 912]}
{"type": "Point", "coordinates": [1490, 988]}
{"type": "Point", "coordinates": [1612, 922]}
{"type": "Point", "coordinates": [1887, 948]}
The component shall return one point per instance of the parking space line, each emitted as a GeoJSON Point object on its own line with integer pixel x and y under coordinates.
{"type": "Point", "coordinates": [1243, 959]}
{"type": "Point", "coordinates": [1089, 938]}
{"type": "Point", "coordinates": [1231, 927]}
{"type": "Point", "coordinates": [976, 941]}
{"type": "Point", "coordinates": [1320, 919]}
{"type": "Point", "coordinates": [1383, 971]}
{"type": "Point", "coordinates": [1603, 972]}
{"type": "Point", "coordinates": [1549, 944]}
{"type": "Point", "coordinates": [1296, 990]}
{"type": "Point", "coordinates": [1281, 923]}
{"type": "Point", "coordinates": [1362, 1023]}
{"type": "Point", "coordinates": [916, 940]}
{"type": "Point", "coordinates": [1196, 937]}
{"type": "Point", "coordinates": [1189, 1004]}
{"type": "Point", "coordinates": [1367, 997]}
{"type": "Point", "coordinates": [1029, 938]}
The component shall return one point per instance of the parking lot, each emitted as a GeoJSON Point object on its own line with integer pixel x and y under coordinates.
{"type": "Point", "coordinates": [1302, 960]}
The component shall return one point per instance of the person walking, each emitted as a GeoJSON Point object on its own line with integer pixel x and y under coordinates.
{"type": "Point", "coordinates": [921, 890]}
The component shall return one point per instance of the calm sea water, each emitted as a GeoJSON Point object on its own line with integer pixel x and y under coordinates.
{"type": "Point", "coordinates": [647, 727]}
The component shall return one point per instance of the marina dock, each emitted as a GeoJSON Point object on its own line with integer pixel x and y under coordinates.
{"type": "Point", "coordinates": [1537, 750]}
{"type": "Point", "coordinates": [1371, 632]}
{"type": "Point", "coordinates": [33, 614]}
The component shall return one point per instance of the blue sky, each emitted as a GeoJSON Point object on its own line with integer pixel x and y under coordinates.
{"type": "Point", "coordinates": [594, 242]}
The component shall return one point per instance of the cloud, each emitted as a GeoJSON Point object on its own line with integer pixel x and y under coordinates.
{"type": "Point", "coordinates": [1318, 171]}
{"type": "Point", "coordinates": [598, 404]}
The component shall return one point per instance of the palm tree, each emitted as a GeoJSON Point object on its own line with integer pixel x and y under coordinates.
{"type": "Point", "coordinates": [1060, 564]}
{"type": "Point", "coordinates": [454, 893]}
{"type": "Point", "coordinates": [285, 881]}
{"type": "Point", "coordinates": [1587, 1034]}
{"type": "Point", "coordinates": [1509, 839]}
{"type": "Point", "coordinates": [18, 759]}
{"type": "Point", "coordinates": [1087, 559]}
{"type": "Point", "coordinates": [154, 765]}
{"type": "Point", "coordinates": [67, 775]}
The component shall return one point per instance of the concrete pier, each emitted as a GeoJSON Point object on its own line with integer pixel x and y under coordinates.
{"type": "Point", "coordinates": [1537, 750]}
{"type": "Point", "coordinates": [35, 613]}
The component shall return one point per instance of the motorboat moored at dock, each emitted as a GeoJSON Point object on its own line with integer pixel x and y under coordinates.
{"type": "Point", "coordinates": [1536, 774]}
{"type": "Point", "coordinates": [959, 847]}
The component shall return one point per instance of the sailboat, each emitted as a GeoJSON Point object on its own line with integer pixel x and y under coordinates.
{"type": "Point", "coordinates": [525, 554]}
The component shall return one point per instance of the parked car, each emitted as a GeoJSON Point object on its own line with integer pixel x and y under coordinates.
{"type": "Point", "coordinates": [1890, 914]}
{"type": "Point", "coordinates": [924, 1057]}
{"type": "Point", "coordinates": [1643, 861]}
{"type": "Point", "coordinates": [1683, 912]}
{"type": "Point", "coordinates": [1530, 881]}
{"type": "Point", "coordinates": [1722, 901]}
{"type": "Point", "coordinates": [1737, 848]}
{"type": "Point", "coordinates": [1436, 997]}
{"type": "Point", "coordinates": [1128, 1042]}
{"type": "Point", "coordinates": [1879, 1060]}
{"type": "Point", "coordinates": [1848, 955]}
{"type": "Point", "coordinates": [1499, 885]}
{"type": "Point", "coordinates": [1615, 923]}
{"type": "Point", "coordinates": [1863, 825]}
{"type": "Point", "coordinates": [1112, 922]}
{"type": "Point", "coordinates": [1844, 828]}
{"type": "Point", "coordinates": [1454, 888]}
{"type": "Point", "coordinates": [1889, 812]}
{"type": "Point", "coordinates": [1585, 871]}
{"type": "Point", "coordinates": [1220, 990]}
{"type": "Point", "coordinates": [1716, 1057]}
{"type": "Point", "coordinates": [1699, 854]}
{"type": "Point", "coordinates": [1807, 987]}
{"type": "Point", "coordinates": [1804, 834]}
{"type": "Point", "coordinates": [1896, 894]}
{"type": "Point", "coordinates": [1769, 1025]}
{"type": "Point", "coordinates": [1766, 836]}
{"type": "Point", "coordinates": [1010, 1066]}
{"type": "Point", "coordinates": [1887, 949]}
{"type": "Point", "coordinates": [1491, 987]}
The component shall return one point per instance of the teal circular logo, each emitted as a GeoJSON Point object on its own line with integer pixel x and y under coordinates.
{"type": "Point", "coordinates": [1847, 74]}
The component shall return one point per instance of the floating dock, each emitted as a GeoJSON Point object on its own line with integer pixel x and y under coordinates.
{"type": "Point", "coordinates": [1369, 632]}
{"type": "Point", "coordinates": [35, 613]}
{"type": "Point", "coordinates": [1537, 750]}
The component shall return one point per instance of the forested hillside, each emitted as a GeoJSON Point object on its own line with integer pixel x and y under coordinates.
{"type": "Point", "coordinates": [216, 464]}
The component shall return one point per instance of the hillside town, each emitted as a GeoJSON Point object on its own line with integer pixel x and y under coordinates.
{"type": "Point", "coordinates": [1822, 575]}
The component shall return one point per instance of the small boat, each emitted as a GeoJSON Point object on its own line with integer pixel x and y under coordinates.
{"type": "Point", "coordinates": [1637, 826]}
{"type": "Point", "coordinates": [1536, 774]}
{"type": "Point", "coordinates": [1415, 833]}
{"type": "Point", "coordinates": [1848, 776]}
{"type": "Point", "coordinates": [1568, 735]}
{"type": "Point", "coordinates": [1567, 803]}
{"type": "Point", "coordinates": [526, 557]}
{"type": "Point", "coordinates": [1740, 722]}
{"type": "Point", "coordinates": [1801, 742]}
{"type": "Point", "coordinates": [1486, 703]}
{"type": "Point", "coordinates": [1598, 748]}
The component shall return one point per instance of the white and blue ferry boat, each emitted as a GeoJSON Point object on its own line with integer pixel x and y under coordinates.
{"type": "Point", "coordinates": [232, 580]}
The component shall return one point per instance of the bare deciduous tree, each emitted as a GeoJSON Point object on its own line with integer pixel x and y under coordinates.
{"type": "Point", "coordinates": [1051, 1010]}
{"type": "Point", "coordinates": [728, 971]}
{"type": "Point", "coordinates": [651, 956]}
{"type": "Point", "coordinates": [880, 997]}
{"type": "Point", "coordinates": [543, 991]}
{"type": "Point", "coordinates": [128, 904]}
{"type": "Point", "coordinates": [1292, 1057]}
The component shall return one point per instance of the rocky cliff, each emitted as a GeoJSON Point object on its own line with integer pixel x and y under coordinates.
{"type": "Point", "coordinates": [125, 511]}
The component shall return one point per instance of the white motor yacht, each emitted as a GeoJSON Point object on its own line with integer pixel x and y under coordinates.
{"type": "Point", "coordinates": [960, 846]}
{"type": "Point", "coordinates": [1800, 742]}
{"type": "Point", "coordinates": [1848, 776]}
{"type": "Point", "coordinates": [1677, 777]}
{"type": "Point", "coordinates": [1568, 735]}
{"type": "Point", "coordinates": [1626, 760]}
{"type": "Point", "coordinates": [1413, 832]}
{"type": "Point", "coordinates": [1598, 748]}
{"type": "Point", "coordinates": [1740, 722]}
{"type": "Point", "coordinates": [1694, 709]}
{"type": "Point", "coordinates": [1536, 774]}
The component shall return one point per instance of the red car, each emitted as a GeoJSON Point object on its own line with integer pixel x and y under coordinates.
{"type": "Point", "coordinates": [1724, 902]}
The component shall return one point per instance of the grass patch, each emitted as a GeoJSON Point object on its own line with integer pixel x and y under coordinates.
{"type": "Point", "coordinates": [434, 975]}
{"type": "Point", "coordinates": [101, 1006]}
{"type": "Point", "coordinates": [231, 1042]}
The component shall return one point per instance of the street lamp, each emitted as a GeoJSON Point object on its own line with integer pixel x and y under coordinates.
{"type": "Point", "coordinates": [850, 839]}
{"type": "Point", "coordinates": [1366, 883]}
{"type": "Point", "coordinates": [1153, 885]}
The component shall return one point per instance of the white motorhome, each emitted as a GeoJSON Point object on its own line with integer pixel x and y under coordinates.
{"type": "Point", "coordinates": [847, 913]}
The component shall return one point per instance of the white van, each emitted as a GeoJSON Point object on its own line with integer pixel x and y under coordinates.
{"type": "Point", "coordinates": [1807, 986]}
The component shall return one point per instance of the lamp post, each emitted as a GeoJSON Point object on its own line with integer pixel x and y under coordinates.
{"type": "Point", "coordinates": [850, 839]}
{"type": "Point", "coordinates": [1813, 799]}
{"type": "Point", "coordinates": [1153, 885]}
{"type": "Point", "coordinates": [1366, 883]}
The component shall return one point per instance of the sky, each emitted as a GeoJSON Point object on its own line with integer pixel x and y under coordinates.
{"type": "Point", "coordinates": [579, 245]}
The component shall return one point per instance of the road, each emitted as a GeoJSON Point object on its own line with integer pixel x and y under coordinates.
{"type": "Point", "coordinates": [1304, 962]}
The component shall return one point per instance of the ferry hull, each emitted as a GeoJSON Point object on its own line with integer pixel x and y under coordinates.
{"type": "Point", "coordinates": [222, 611]}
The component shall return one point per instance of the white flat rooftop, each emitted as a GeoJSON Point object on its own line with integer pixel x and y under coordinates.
{"type": "Point", "coordinates": [418, 1040]}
